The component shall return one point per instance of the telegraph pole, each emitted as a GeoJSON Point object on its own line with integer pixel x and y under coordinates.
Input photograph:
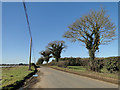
{"type": "Point", "coordinates": [29, 33]}
{"type": "Point", "coordinates": [30, 54]}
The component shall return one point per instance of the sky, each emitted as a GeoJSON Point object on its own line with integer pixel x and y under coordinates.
{"type": "Point", "coordinates": [48, 22]}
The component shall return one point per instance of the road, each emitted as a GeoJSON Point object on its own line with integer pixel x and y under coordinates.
{"type": "Point", "coordinates": [51, 78]}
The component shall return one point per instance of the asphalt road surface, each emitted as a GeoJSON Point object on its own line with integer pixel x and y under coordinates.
{"type": "Point", "coordinates": [51, 78]}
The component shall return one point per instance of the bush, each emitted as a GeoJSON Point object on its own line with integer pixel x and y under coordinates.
{"type": "Point", "coordinates": [76, 61]}
{"type": "Point", "coordinates": [53, 63]}
{"type": "Point", "coordinates": [98, 65]}
{"type": "Point", "coordinates": [40, 61]}
{"type": "Point", "coordinates": [20, 64]}
{"type": "Point", "coordinates": [63, 64]}
{"type": "Point", "coordinates": [112, 64]}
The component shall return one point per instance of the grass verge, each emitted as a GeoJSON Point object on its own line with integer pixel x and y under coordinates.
{"type": "Point", "coordinates": [14, 77]}
{"type": "Point", "coordinates": [79, 70]}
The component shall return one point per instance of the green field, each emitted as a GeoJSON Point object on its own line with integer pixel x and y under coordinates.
{"type": "Point", "coordinates": [80, 68]}
{"type": "Point", "coordinates": [83, 70]}
{"type": "Point", "coordinates": [13, 74]}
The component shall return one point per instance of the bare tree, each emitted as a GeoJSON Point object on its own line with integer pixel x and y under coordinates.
{"type": "Point", "coordinates": [40, 61]}
{"type": "Point", "coordinates": [46, 54]}
{"type": "Point", "coordinates": [92, 30]}
{"type": "Point", "coordinates": [56, 48]}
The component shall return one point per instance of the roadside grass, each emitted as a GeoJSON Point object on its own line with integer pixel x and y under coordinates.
{"type": "Point", "coordinates": [82, 70]}
{"type": "Point", "coordinates": [13, 74]}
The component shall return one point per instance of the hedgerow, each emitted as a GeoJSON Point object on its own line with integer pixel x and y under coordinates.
{"type": "Point", "coordinates": [110, 63]}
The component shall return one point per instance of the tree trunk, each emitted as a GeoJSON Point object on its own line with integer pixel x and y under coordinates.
{"type": "Point", "coordinates": [57, 59]}
{"type": "Point", "coordinates": [91, 61]}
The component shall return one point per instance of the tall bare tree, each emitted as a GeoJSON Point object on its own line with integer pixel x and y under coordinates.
{"type": "Point", "coordinates": [92, 30]}
{"type": "Point", "coordinates": [40, 61]}
{"type": "Point", "coordinates": [46, 54]}
{"type": "Point", "coordinates": [56, 48]}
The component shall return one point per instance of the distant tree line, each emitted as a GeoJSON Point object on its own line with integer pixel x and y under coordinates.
{"type": "Point", "coordinates": [13, 64]}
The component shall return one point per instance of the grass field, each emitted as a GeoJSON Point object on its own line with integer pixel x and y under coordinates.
{"type": "Point", "coordinates": [13, 74]}
{"type": "Point", "coordinates": [80, 68]}
{"type": "Point", "coordinates": [83, 70]}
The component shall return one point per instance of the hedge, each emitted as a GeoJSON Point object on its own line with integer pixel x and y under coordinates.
{"type": "Point", "coordinates": [110, 63]}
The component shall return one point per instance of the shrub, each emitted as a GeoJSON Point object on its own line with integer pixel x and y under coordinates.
{"type": "Point", "coordinates": [40, 61]}
{"type": "Point", "coordinates": [63, 64]}
{"type": "Point", "coordinates": [98, 65]}
{"type": "Point", "coordinates": [112, 64]}
{"type": "Point", "coordinates": [76, 61]}
{"type": "Point", "coordinates": [53, 63]}
{"type": "Point", "coordinates": [21, 64]}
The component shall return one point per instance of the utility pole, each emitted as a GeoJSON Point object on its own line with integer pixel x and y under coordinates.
{"type": "Point", "coordinates": [30, 54]}
{"type": "Point", "coordinates": [29, 33]}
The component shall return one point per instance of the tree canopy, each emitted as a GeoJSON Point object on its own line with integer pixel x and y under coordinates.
{"type": "Point", "coordinates": [56, 48]}
{"type": "Point", "coordinates": [40, 61]}
{"type": "Point", "coordinates": [46, 54]}
{"type": "Point", "coordinates": [92, 30]}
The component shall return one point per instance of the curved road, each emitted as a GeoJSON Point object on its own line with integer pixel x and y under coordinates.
{"type": "Point", "coordinates": [51, 78]}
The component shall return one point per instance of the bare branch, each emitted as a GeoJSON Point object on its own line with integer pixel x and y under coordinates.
{"type": "Point", "coordinates": [93, 29]}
